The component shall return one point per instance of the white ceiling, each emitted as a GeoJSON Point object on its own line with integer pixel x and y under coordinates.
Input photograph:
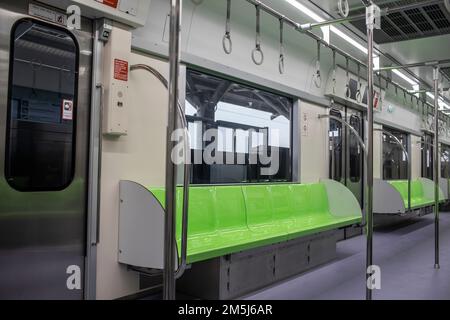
{"type": "Point", "coordinates": [405, 52]}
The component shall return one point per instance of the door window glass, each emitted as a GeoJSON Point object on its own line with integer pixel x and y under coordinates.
{"type": "Point", "coordinates": [355, 150]}
{"type": "Point", "coordinates": [335, 144]}
{"type": "Point", "coordinates": [42, 103]}
{"type": "Point", "coordinates": [395, 162]}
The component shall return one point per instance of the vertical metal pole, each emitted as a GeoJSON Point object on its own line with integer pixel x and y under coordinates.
{"type": "Point", "coordinates": [169, 219]}
{"type": "Point", "coordinates": [409, 173]}
{"type": "Point", "coordinates": [369, 214]}
{"type": "Point", "coordinates": [436, 166]}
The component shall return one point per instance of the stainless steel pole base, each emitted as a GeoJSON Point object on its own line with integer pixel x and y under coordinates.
{"type": "Point", "coordinates": [436, 266]}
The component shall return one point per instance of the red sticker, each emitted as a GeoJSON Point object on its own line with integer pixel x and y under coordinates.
{"type": "Point", "coordinates": [111, 3]}
{"type": "Point", "coordinates": [120, 70]}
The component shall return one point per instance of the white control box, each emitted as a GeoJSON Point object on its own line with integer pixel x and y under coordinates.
{"type": "Point", "coordinates": [116, 59]}
{"type": "Point", "coordinates": [130, 12]}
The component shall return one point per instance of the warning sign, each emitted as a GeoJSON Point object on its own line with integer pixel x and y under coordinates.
{"type": "Point", "coordinates": [120, 70]}
{"type": "Point", "coordinates": [111, 3]}
{"type": "Point", "coordinates": [67, 110]}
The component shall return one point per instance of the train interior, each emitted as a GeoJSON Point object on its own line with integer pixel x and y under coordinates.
{"type": "Point", "coordinates": [221, 150]}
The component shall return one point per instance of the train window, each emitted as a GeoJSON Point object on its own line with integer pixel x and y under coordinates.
{"type": "Point", "coordinates": [395, 163]}
{"type": "Point", "coordinates": [427, 156]}
{"type": "Point", "coordinates": [336, 154]}
{"type": "Point", "coordinates": [355, 150]}
{"type": "Point", "coordinates": [364, 99]}
{"type": "Point", "coordinates": [445, 161]}
{"type": "Point", "coordinates": [353, 88]}
{"type": "Point", "coordinates": [40, 140]}
{"type": "Point", "coordinates": [237, 121]}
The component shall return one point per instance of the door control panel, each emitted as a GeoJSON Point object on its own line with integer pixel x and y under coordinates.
{"type": "Point", "coordinates": [117, 53]}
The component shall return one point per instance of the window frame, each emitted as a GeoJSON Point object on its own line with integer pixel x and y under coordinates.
{"type": "Point", "coordinates": [12, 50]}
{"type": "Point", "coordinates": [252, 85]}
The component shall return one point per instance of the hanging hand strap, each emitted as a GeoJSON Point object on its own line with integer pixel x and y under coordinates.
{"type": "Point", "coordinates": [347, 85]}
{"type": "Point", "coordinates": [282, 49]}
{"type": "Point", "coordinates": [257, 51]}
{"type": "Point", "coordinates": [317, 75]}
{"type": "Point", "coordinates": [226, 41]}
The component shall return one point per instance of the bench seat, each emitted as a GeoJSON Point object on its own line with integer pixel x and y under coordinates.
{"type": "Point", "coordinates": [228, 219]}
{"type": "Point", "coordinates": [419, 197]}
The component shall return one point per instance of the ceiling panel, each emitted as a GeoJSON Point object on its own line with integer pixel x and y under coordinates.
{"type": "Point", "coordinates": [419, 19]}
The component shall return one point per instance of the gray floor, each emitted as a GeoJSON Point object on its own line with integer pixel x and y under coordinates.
{"type": "Point", "coordinates": [405, 254]}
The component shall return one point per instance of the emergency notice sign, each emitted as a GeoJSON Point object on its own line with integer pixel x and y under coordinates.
{"type": "Point", "coordinates": [120, 70]}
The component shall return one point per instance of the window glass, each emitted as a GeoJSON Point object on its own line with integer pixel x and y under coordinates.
{"type": "Point", "coordinates": [395, 163]}
{"type": "Point", "coordinates": [353, 88]}
{"type": "Point", "coordinates": [355, 150]}
{"type": "Point", "coordinates": [427, 156]}
{"type": "Point", "coordinates": [445, 161]}
{"type": "Point", "coordinates": [335, 143]}
{"type": "Point", "coordinates": [246, 121]}
{"type": "Point", "coordinates": [42, 107]}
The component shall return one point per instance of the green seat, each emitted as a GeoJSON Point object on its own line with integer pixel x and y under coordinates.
{"type": "Point", "coordinates": [227, 219]}
{"type": "Point", "coordinates": [261, 218]}
{"type": "Point", "coordinates": [311, 211]}
{"type": "Point", "coordinates": [418, 195]}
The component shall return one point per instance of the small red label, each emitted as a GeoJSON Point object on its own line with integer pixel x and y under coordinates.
{"type": "Point", "coordinates": [111, 3]}
{"type": "Point", "coordinates": [120, 70]}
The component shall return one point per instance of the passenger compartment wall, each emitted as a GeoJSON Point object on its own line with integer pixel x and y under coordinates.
{"type": "Point", "coordinates": [140, 157]}
{"type": "Point", "coordinates": [313, 137]}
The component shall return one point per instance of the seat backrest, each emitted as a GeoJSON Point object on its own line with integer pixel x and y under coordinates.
{"type": "Point", "coordinates": [402, 187]}
{"type": "Point", "coordinates": [230, 208]}
{"type": "Point", "coordinates": [416, 189]}
{"type": "Point", "coordinates": [318, 198]}
{"type": "Point", "coordinates": [282, 201]}
{"type": "Point", "coordinates": [213, 208]}
{"type": "Point", "coordinates": [202, 208]}
{"type": "Point", "coordinates": [257, 204]}
{"type": "Point", "coordinates": [300, 200]}
{"type": "Point", "coordinates": [201, 217]}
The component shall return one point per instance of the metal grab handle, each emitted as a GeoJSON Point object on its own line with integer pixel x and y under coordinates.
{"type": "Point", "coordinates": [282, 49]}
{"type": "Point", "coordinates": [257, 49]}
{"type": "Point", "coordinates": [398, 142]}
{"type": "Point", "coordinates": [226, 40]}
{"type": "Point", "coordinates": [187, 170]}
{"type": "Point", "coordinates": [99, 159]}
